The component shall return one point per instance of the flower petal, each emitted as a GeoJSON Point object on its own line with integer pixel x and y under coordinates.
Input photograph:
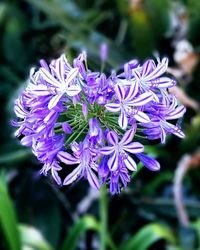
{"type": "Point", "coordinates": [92, 179]}
{"type": "Point", "coordinates": [141, 117]}
{"type": "Point", "coordinates": [177, 113]}
{"type": "Point", "coordinates": [113, 162]}
{"type": "Point", "coordinates": [71, 75]}
{"type": "Point", "coordinates": [73, 90]}
{"type": "Point", "coordinates": [54, 101]}
{"type": "Point", "coordinates": [67, 158]}
{"type": "Point", "coordinates": [158, 71]}
{"type": "Point", "coordinates": [141, 100]}
{"type": "Point", "coordinates": [112, 138]}
{"type": "Point", "coordinates": [120, 92]}
{"type": "Point", "coordinates": [149, 162]}
{"type": "Point", "coordinates": [128, 137]}
{"type": "Point", "coordinates": [130, 163]}
{"type": "Point", "coordinates": [106, 150]}
{"type": "Point", "coordinates": [132, 91]}
{"type": "Point", "coordinates": [49, 78]}
{"type": "Point", "coordinates": [123, 120]}
{"type": "Point", "coordinates": [134, 147]}
{"type": "Point", "coordinates": [148, 67]}
{"type": "Point", "coordinates": [73, 175]}
{"type": "Point", "coordinates": [162, 82]}
{"type": "Point", "coordinates": [113, 107]}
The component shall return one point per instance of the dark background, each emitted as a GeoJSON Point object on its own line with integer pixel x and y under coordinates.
{"type": "Point", "coordinates": [145, 215]}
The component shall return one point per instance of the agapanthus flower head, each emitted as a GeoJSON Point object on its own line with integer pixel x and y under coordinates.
{"type": "Point", "coordinates": [72, 116]}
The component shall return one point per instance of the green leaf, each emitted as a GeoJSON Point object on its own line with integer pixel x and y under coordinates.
{"type": "Point", "coordinates": [8, 219]}
{"type": "Point", "coordinates": [82, 225]}
{"type": "Point", "coordinates": [147, 236]}
{"type": "Point", "coordinates": [31, 237]}
{"type": "Point", "coordinates": [15, 156]}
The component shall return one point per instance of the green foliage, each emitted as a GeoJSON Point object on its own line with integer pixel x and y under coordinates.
{"type": "Point", "coordinates": [8, 219]}
{"type": "Point", "coordinates": [147, 236]}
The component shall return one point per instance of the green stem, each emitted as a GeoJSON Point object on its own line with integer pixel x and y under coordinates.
{"type": "Point", "coordinates": [103, 210]}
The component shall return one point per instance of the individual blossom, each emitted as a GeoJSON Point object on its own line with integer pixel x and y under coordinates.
{"type": "Point", "coordinates": [120, 149]}
{"type": "Point", "coordinates": [161, 113]}
{"type": "Point", "coordinates": [127, 104]}
{"type": "Point", "coordinates": [86, 166]}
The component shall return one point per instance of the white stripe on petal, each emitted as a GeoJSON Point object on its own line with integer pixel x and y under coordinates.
{"type": "Point", "coordinates": [106, 150]}
{"type": "Point", "coordinates": [54, 101]}
{"type": "Point", "coordinates": [73, 90]}
{"type": "Point", "coordinates": [67, 158]}
{"type": "Point", "coordinates": [120, 92]}
{"type": "Point", "coordinates": [134, 147]}
{"type": "Point", "coordinates": [49, 78]}
{"type": "Point", "coordinates": [71, 75]}
{"type": "Point", "coordinates": [123, 120]}
{"type": "Point", "coordinates": [73, 175]}
{"type": "Point", "coordinates": [133, 90]}
{"type": "Point", "coordinates": [113, 107]}
{"type": "Point", "coordinates": [112, 138]}
{"type": "Point", "coordinates": [130, 163]}
{"type": "Point", "coordinates": [141, 100]}
{"type": "Point", "coordinates": [128, 137]}
{"type": "Point", "coordinates": [141, 117]}
{"type": "Point", "coordinates": [113, 162]}
{"type": "Point", "coordinates": [92, 178]}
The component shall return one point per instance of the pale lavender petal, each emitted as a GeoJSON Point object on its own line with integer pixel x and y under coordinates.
{"type": "Point", "coordinates": [120, 92]}
{"type": "Point", "coordinates": [92, 178]}
{"type": "Point", "coordinates": [27, 140]}
{"type": "Point", "coordinates": [106, 150]}
{"type": "Point", "coordinates": [66, 128]}
{"type": "Point", "coordinates": [141, 100]}
{"type": "Point", "coordinates": [149, 162]}
{"type": "Point", "coordinates": [113, 162]}
{"type": "Point", "coordinates": [123, 120]}
{"type": "Point", "coordinates": [130, 163]}
{"type": "Point", "coordinates": [85, 109]}
{"type": "Point", "coordinates": [141, 117]}
{"type": "Point", "coordinates": [163, 135]}
{"type": "Point", "coordinates": [177, 113]}
{"type": "Point", "coordinates": [112, 138]}
{"type": "Point", "coordinates": [148, 67]}
{"type": "Point", "coordinates": [49, 78]}
{"type": "Point", "coordinates": [163, 82]}
{"type": "Point", "coordinates": [128, 137]}
{"type": "Point", "coordinates": [73, 175]}
{"type": "Point", "coordinates": [113, 107]}
{"type": "Point", "coordinates": [39, 89]}
{"type": "Point", "coordinates": [158, 71]}
{"type": "Point", "coordinates": [56, 176]}
{"type": "Point", "coordinates": [132, 91]}
{"type": "Point", "coordinates": [60, 69]}
{"type": "Point", "coordinates": [67, 158]}
{"type": "Point", "coordinates": [54, 101]}
{"type": "Point", "coordinates": [73, 90]}
{"type": "Point", "coordinates": [71, 75]}
{"type": "Point", "coordinates": [134, 147]}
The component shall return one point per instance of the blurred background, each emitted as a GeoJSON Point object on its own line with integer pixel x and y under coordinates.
{"type": "Point", "coordinates": [159, 210]}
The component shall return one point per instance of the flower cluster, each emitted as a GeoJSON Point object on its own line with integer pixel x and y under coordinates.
{"type": "Point", "coordinates": [72, 116]}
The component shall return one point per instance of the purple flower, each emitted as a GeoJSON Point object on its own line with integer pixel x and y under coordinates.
{"type": "Point", "coordinates": [160, 113]}
{"type": "Point", "coordinates": [149, 162]}
{"type": "Point", "coordinates": [149, 76]}
{"type": "Point", "coordinates": [62, 83]}
{"type": "Point", "coordinates": [70, 115]}
{"type": "Point", "coordinates": [118, 150]}
{"type": "Point", "coordinates": [86, 166]}
{"type": "Point", "coordinates": [128, 103]}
